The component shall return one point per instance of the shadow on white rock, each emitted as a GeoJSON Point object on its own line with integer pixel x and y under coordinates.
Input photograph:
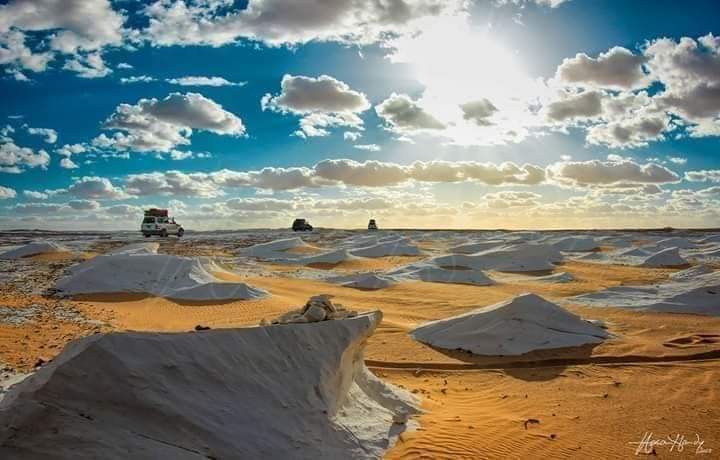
{"type": "Point", "coordinates": [299, 391]}
{"type": "Point", "coordinates": [513, 327]}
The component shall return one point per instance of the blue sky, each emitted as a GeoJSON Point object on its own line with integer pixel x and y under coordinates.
{"type": "Point", "coordinates": [419, 113]}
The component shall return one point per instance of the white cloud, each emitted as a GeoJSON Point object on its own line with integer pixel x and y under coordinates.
{"type": "Point", "coordinates": [49, 134]}
{"type": "Point", "coordinates": [402, 114]}
{"type": "Point", "coordinates": [14, 159]}
{"type": "Point", "coordinates": [84, 205]}
{"type": "Point", "coordinates": [161, 125]}
{"type": "Point", "coordinates": [282, 22]}
{"type": "Point", "coordinates": [616, 171]}
{"type": "Point", "coordinates": [172, 183]}
{"type": "Point", "coordinates": [351, 136]}
{"type": "Point", "coordinates": [95, 188]}
{"type": "Point", "coordinates": [90, 65]}
{"type": "Point", "coordinates": [690, 73]}
{"type": "Point", "coordinates": [204, 81]}
{"type": "Point", "coordinates": [368, 147]}
{"type": "Point", "coordinates": [582, 106]}
{"type": "Point", "coordinates": [68, 150]}
{"type": "Point", "coordinates": [618, 68]}
{"type": "Point", "coordinates": [711, 175]}
{"type": "Point", "coordinates": [630, 132]}
{"type": "Point", "coordinates": [67, 163]}
{"type": "Point", "coordinates": [7, 193]}
{"type": "Point", "coordinates": [124, 66]}
{"type": "Point", "coordinates": [35, 195]}
{"type": "Point", "coordinates": [137, 79]}
{"type": "Point", "coordinates": [678, 160]}
{"type": "Point", "coordinates": [324, 102]}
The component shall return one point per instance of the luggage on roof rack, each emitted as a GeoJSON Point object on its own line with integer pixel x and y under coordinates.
{"type": "Point", "coordinates": [154, 212]}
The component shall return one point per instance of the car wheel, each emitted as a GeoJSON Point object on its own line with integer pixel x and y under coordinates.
{"type": "Point", "coordinates": [181, 232]}
{"type": "Point", "coordinates": [163, 233]}
{"type": "Point", "coordinates": [146, 235]}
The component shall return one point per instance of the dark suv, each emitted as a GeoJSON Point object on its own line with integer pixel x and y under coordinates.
{"type": "Point", "coordinates": [301, 225]}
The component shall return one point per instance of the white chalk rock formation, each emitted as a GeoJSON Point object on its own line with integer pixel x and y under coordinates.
{"type": "Point", "coordinates": [33, 249]}
{"type": "Point", "coordinates": [524, 257]}
{"type": "Point", "coordinates": [276, 392]}
{"type": "Point", "coordinates": [370, 281]}
{"type": "Point", "coordinates": [273, 248]}
{"type": "Point", "coordinates": [401, 247]}
{"type": "Point", "coordinates": [514, 327]}
{"type": "Point", "coordinates": [687, 291]}
{"type": "Point", "coordinates": [676, 242]}
{"type": "Point", "coordinates": [141, 270]}
{"type": "Point", "coordinates": [669, 257]}
{"type": "Point", "coordinates": [576, 244]}
{"type": "Point", "coordinates": [434, 274]}
{"type": "Point", "coordinates": [471, 248]}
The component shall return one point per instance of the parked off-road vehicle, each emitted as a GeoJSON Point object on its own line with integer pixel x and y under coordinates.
{"type": "Point", "coordinates": [301, 225]}
{"type": "Point", "coordinates": [372, 225]}
{"type": "Point", "coordinates": [157, 222]}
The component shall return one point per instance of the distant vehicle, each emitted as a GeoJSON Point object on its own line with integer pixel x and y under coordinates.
{"type": "Point", "coordinates": [301, 225]}
{"type": "Point", "coordinates": [372, 225]}
{"type": "Point", "coordinates": [157, 222]}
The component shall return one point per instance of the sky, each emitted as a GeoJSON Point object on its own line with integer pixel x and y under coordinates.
{"type": "Point", "coordinates": [417, 113]}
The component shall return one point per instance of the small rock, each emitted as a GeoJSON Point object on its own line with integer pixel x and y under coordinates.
{"type": "Point", "coordinates": [401, 417]}
{"type": "Point", "coordinates": [200, 327]}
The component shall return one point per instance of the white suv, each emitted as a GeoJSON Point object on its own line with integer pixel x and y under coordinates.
{"type": "Point", "coordinates": [162, 226]}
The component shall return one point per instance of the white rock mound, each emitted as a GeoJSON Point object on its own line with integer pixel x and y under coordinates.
{"type": "Point", "coordinates": [370, 281]}
{"type": "Point", "coordinates": [471, 248]}
{"type": "Point", "coordinates": [576, 244]}
{"type": "Point", "coordinates": [299, 391]}
{"type": "Point", "coordinates": [272, 248]}
{"type": "Point", "coordinates": [141, 270]}
{"type": "Point", "coordinates": [434, 274]}
{"type": "Point", "coordinates": [686, 292]}
{"type": "Point", "coordinates": [669, 257]}
{"type": "Point", "coordinates": [525, 257]}
{"type": "Point", "coordinates": [400, 247]}
{"type": "Point", "coordinates": [514, 327]}
{"type": "Point", "coordinates": [33, 249]}
{"type": "Point", "coordinates": [676, 242]}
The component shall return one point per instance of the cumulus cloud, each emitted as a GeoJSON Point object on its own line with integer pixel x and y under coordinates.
{"type": "Point", "coordinates": [35, 195]}
{"type": "Point", "coordinates": [630, 132]}
{"type": "Point", "coordinates": [402, 114]}
{"type": "Point", "coordinates": [204, 81]}
{"type": "Point", "coordinates": [711, 175]}
{"type": "Point", "coordinates": [510, 199]}
{"type": "Point", "coordinates": [172, 183]}
{"type": "Point", "coordinates": [15, 159]}
{"type": "Point", "coordinates": [281, 22]}
{"type": "Point", "coordinates": [690, 73]}
{"type": "Point", "coordinates": [83, 205]}
{"type": "Point", "coordinates": [376, 173]}
{"type": "Point", "coordinates": [585, 105]}
{"type": "Point", "coordinates": [90, 65]}
{"type": "Point", "coordinates": [67, 163]}
{"type": "Point", "coordinates": [78, 28]}
{"type": "Point", "coordinates": [479, 111]}
{"type": "Point", "coordinates": [161, 125]}
{"type": "Point", "coordinates": [49, 134]}
{"type": "Point", "coordinates": [323, 101]}
{"type": "Point", "coordinates": [614, 172]}
{"type": "Point", "coordinates": [618, 68]}
{"type": "Point", "coordinates": [95, 188]}
{"type": "Point", "coordinates": [7, 193]}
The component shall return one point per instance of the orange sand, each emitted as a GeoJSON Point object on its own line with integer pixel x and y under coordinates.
{"type": "Point", "coordinates": [661, 373]}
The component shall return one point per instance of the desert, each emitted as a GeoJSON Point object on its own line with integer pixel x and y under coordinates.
{"type": "Point", "coordinates": [431, 365]}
